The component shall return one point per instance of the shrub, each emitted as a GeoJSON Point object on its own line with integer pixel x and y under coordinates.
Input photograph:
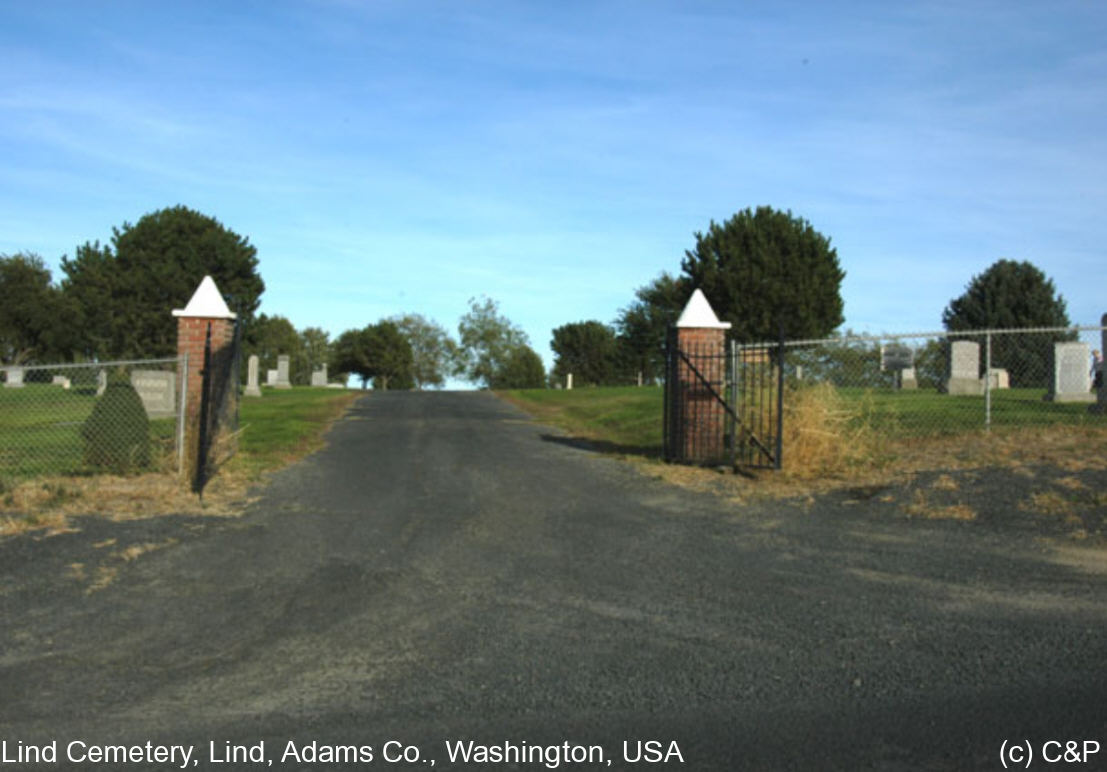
{"type": "Point", "coordinates": [117, 433]}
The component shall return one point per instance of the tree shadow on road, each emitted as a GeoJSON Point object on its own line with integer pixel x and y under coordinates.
{"type": "Point", "coordinates": [604, 446]}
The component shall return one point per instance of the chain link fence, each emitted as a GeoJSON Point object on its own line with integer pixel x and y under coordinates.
{"type": "Point", "coordinates": [77, 419]}
{"type": "Point", "coordinates": [935, 383]}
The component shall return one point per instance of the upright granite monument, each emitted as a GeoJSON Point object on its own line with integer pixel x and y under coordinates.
{"type": "Point", "coordinates": [964, 368]}
{"type": "Point", "coordinates": [1072, 381]}
{"type": "Point", "coordinates": [252, 387]}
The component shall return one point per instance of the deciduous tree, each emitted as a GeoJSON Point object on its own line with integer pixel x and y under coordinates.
{"type": "Point", "coordinates": [522, 368]}
{"type": "Point", "coordinates": [434, 352]}
{"type": "Point", "coordinates": [487, 340]}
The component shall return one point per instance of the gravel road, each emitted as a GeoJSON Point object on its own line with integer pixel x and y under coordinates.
{"type": "Point", "coordinates": [443, 578]}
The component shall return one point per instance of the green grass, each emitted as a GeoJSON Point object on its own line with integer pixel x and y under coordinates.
{"type": "Point", "coordinates": [284, 425]}
{"type": "Point", "coordinates": [928, 413]}
{"type": "Point", "coordinates": [629, 419]}
{"type": "Point", "coordinates": [623, 419]}
{"type": "Point", "coordinates": [40, 429]}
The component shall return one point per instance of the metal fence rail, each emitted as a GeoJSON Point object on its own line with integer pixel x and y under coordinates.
{"type": "Point", "coordinates": [107, 417]}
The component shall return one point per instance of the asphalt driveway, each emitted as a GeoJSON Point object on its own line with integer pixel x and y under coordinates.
{"type": "Point", "coordinates": [446, 572]}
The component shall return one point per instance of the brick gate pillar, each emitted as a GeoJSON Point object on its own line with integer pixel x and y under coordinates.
{"type": "Point", "coordinates": [702, 338]}
{"type": "Point", "coordinates": [206, 307]}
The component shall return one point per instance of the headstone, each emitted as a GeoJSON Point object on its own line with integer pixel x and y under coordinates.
{"type": "Point", "coordinates": [569, 381]}
{"type": "Point", "coordinates": [1071, 380]}
{"type": "Point", "coordinates": [101, 382]}
{"type": "Point", "coordinates": [319, 377]}
{"type": "Point", "coordinates": [60, 380]}
{"type": "Point", "coordinates": [157, 390]}
{"type": "Point", "coordinates": [998, 378]}
{"type": "Point", "coordinates": [283, 381]}
{"type": "Point", "coordinates": [270, 377]}
{"type": "Point", "coordinates": [252, 387]}
{"type": "Point", "coordinates": [336, 385]}
{"type": "Point", "coordinates": [15, 378]}
{"type": "Point", "coordinates": [964, 368]}
{"type": "Point", "coordinates": [896, 356]}
{"type": "Point", "coordinates": [907, 379]}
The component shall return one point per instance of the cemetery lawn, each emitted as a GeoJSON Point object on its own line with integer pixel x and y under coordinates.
{"type": "Point", "coordinates": [42, 479]}
{"type": "Point", "coordinates": [41, 429]}
{"type": "Point", "coordinates": [624, 419]}
{"type": "Point", "coordinates": [903, 431]}
{"type": "Point", "coordinates": [284, 426]}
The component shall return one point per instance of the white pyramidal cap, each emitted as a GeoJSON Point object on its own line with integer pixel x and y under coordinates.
{"type": "Point", "coordinates": [698, 313]}
{"type": "Point", "coordinates": [206, 302]}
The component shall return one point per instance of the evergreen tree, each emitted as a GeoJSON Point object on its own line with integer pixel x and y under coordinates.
{"type": "Point", "coordinates": [643, 325]}
{"type": "Point", "coordinates": [126, 291]}
{"type": "Point", "coordinates": [768, 272]}
{"type": "Point", "coordinates": [588, 350]}
{"type": "Point", "coordinates": [1012, 295]}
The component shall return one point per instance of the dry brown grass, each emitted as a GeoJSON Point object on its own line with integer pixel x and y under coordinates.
{"type": "Point", "coordinates": [47, 504]}
{"type": "Point", "coordinates": [826, 435]}
{"type": "Point", "coordinates": [105, 573]}
{"type": "Point", "coordinates": [945, 483]}
{"type": "Point", "coordinates": [1072, 448]}
{"type": "Point", "coordinates": [830, 445]}
{"type": "Point", "coordinates": [1049, 503]}
{"type": "Point", "coordinates": [919, 506]}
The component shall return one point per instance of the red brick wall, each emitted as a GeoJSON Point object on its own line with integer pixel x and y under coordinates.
{"type": "Point", "coordinates": [704, 416]}
{"type": "Point", "coordinates": [191, 333]}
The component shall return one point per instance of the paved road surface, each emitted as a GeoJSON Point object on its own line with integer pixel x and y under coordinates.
{"type": "Point", "coordinates": [448, 571]}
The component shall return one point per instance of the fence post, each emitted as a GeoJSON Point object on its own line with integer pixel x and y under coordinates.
{"type": "Point", "coordinates": [203, 439]}
{"type": "Point", "coordinates": [988, 382]}
{"type": "Point", "coordinates": [206, 307]}
{"type": "Point", "coordinates": [778, 461]}
{"type": "Point", "coordinates": [181, 411]}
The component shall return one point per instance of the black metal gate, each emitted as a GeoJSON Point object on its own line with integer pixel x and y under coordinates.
{"type": "Point", "coordinates": [723, 404]}
{"type": "Point", "coordinates": [218, 425]}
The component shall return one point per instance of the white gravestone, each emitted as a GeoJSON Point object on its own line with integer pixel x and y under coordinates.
{"type": "Point", "coordinates": [101, 382]}
{"type": "Point", "coordinates": [964, 368]}
{"type": "Point", "coordinates": [907, 379]}
{"type": "Point", "coordinates": [270, 377]}
{"type": "Point", "coordinates": [319, 377]}
{"type": "Point", "coordinates": [252, 388]}
{"type": "Point", "coordinates": [998, 378]}
{"type": "Point", "coordinates": [283, 381]}
{"type": "Point", "coordinates": [15, 378]}
{"type": "Point", "coordinates": [1071, 380]}
{"type": "Point", "coordinates": [157, 390]}
{"type": "Point", "coordinates": [60, 380]}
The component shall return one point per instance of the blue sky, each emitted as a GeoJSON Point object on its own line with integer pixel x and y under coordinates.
{"type": "Point", "coordinates": [387, 157]}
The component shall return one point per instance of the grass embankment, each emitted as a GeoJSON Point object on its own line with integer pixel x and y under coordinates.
{"type": "Point", "coordinates": [850, 435]}
{"type": "Point", "coordinates": [275, 430]}
{"type": "Point", "coordinates": [622, 419]}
